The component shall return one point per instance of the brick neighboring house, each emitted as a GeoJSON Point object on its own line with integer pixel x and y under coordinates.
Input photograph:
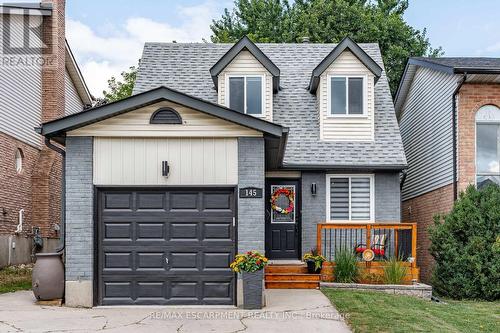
{"type": "Point", "coordinates": [37, 84]}
{"type": "Point", "coordinates": [440, 99]}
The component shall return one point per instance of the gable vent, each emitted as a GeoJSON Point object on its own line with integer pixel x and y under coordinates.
{"type": "Point", "coordinates": [165, 116]}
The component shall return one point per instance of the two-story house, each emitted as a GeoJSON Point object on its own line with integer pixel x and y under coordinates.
{"type": "Point", "coordinates": [224, 148]}
{"type": "Point", "coordinates": [449, 115]}
{"type": "Point", "coordinates": [39, 81]}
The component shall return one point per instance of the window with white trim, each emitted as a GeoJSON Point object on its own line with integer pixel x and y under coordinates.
{"type": "Point", "coordinates": [487, 145]}
{"type": "Point", "coordinates": [349, 197]}
{"type": "Point", "coordinates": [245, 94]}
{"type": "Point", "coordinates": [346, 95]}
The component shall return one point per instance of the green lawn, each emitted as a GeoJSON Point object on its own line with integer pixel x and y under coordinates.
{"type": "Point", "coordinates": [15, 278]}
{"type": "Point", "coordinates": [379, 312]}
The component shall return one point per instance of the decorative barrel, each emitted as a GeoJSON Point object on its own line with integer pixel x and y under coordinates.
{"type": "Point", "coordinates": [48, 277]}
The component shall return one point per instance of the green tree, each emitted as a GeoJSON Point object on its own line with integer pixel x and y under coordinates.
{"type": "Point", "coordinates": [328, 21]}
{"type": "Point", "coordinates": [121, 89]}
{"type": "Point", "coordinates": [466, 246]}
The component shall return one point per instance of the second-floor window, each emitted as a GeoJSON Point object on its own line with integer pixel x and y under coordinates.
{"type": "Point", "coordinates": [346, 95]}
{"type": "Point", "coordinates": [245, 94]}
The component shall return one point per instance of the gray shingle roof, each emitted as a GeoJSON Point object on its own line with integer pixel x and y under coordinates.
{"type": "Point", "coordinates": [464, 62]}
{"type": "Point", "coordinates": [185, 67]}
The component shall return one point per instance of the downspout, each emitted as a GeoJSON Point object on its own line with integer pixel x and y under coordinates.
{"type": "Point", "coordinates": [454, 131]}
{"type": "Point", "coordinates": [403, 178]}
{"type": "Point", "coordinates": [62, 152]}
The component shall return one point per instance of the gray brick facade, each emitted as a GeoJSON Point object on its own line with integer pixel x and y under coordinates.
{"type": "Point", "coordinates": [79, 209]}
{"type": "Point", "coordinates": [313, 208]}
{"type": "Point", "coordinates": [387, 197]}
{"type": "Point", "coordinates": [251, 211]}
{"type": "Point", "coordinates": [387, 203]}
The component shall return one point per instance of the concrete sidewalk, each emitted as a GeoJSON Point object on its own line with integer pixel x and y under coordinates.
{"type": "Point", "coordinates": [303, 311]}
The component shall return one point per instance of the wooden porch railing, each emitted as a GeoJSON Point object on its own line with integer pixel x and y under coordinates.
{"type": "Point", "coordinates": [400, 239]}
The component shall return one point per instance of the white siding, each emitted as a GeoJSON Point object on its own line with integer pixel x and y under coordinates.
{"type": "Point", "coordinates": [245, 64]}
{"type": "Point", "coordinates": [136, 123]}
{"type": "Point", "coordinates": [20, 89]}
{"type": "Point", "coordinates": [426, 130]}
{"type": "Point", "coordinates": [346, 128]}
{"type": "Point", "coordinates": [73, 102]}
{"type": "Point", "coordinates": [192, 161]}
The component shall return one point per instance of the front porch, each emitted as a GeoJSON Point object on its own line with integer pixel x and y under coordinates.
{"type": "Point", "coordinates": [386, 240]}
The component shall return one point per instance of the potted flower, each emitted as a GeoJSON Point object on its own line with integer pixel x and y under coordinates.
{"type": "Point", "coordinates": [251, 266]}
{"type": "Point", "coordinates": [314, 261]}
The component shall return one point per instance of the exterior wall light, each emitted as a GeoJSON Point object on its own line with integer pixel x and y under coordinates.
{"type": "Point", "coordinates": [313, 189]}
{"type": "Point", "coordinates": [165, 168]}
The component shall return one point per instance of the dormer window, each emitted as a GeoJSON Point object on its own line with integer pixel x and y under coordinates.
{"type": "Point", "coordinates": [346, 95]}
{"type": "Point", "coordinates": [245, 94]}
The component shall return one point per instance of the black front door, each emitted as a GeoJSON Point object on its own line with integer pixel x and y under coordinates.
{"type": "Point", "coordinates": [282, 219]}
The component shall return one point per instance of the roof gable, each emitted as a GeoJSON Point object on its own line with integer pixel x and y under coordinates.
{"type": "Point", "coordinates": [245, 44]}
{"type": "Point", "coordinates": [345, 44]}
{"type": "Point", "coordinates": [56, 129]}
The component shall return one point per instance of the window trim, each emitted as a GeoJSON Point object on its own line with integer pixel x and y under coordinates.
{"type": "Point", "coordinates": [329, 96]}
{"type": "Point", "coordinates": [227, 92]}
{"type": "Point", "coordinates": [482, 122]}
{"type": "Point", "coordinates": [371, 176]}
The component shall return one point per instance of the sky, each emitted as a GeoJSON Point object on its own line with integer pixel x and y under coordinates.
{"type": "Point", "coordinates": [107, 36]}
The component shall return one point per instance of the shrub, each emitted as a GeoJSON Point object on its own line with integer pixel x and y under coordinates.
{"type": "Point", "coordinates": [394, 271]}
{"type": "Point", "coordinates": [346, 267]}
{"type": "Point", "coordinates": [465, 245]}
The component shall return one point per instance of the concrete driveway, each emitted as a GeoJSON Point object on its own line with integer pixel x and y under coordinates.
{"type": "Point", "coordinates": [288, 311]}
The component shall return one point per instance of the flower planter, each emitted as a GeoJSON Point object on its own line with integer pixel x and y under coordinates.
{"type": "Point", "coordinates": [311, 267]}
{"type": "Point", "coordinates": [252, 289]}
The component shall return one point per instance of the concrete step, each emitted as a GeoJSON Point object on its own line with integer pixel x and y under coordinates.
{"type": "Point", "coordinates": [292, 277]}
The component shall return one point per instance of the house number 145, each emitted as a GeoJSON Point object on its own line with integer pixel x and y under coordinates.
{"type": "Point", "coordinates": [250, 192]}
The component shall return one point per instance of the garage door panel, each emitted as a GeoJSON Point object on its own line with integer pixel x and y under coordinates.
{"type": "Point", "coordinates": [118, 201]}
{"type": "Point", "coordinates": [185, 231]}
{"type": "Point", "coordinates": [117, 289]}
{"type": "Point", "coordinates": [183, 261]}
{"type": "Point", "coordinates": [148, 231]}
{"type": "Point", "coordinates": [166, 247]}
{"type": "Point", "coordinates": [184, 201]}
{"type": "Point", "coordinates": [150, 260]}
{"type": "Point", "coordinates": [216, 231]}
{"type": "Point", "coordinates": [122, 261]}
{"type": "Point", "coordinates": [217, 261]}
{"type": "Point", "coordinates": [151, 201]}
{"type": "Point", "coordinates": [118, 231]}
{"type": "Point", "coordinates": [150, 290]}
{"type": "Point", "coordinates": [220, 290]}
{"type": "Point", "coordinates": [217, 201]}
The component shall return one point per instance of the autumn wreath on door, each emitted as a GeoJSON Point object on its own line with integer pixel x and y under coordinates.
{"type": "Point", "coordinates": [277, 194]}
